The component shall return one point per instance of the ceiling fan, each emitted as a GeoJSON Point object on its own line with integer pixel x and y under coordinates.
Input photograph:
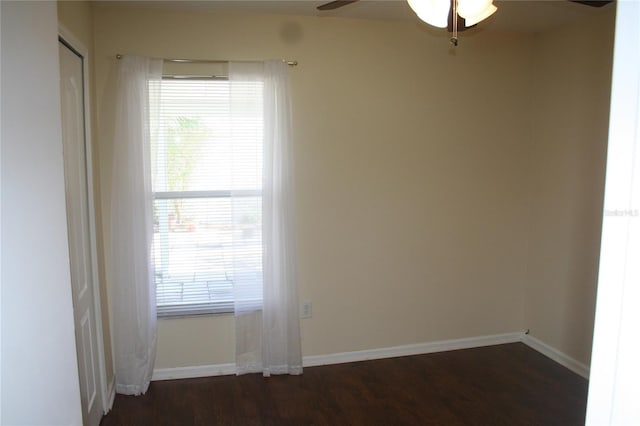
{"type": "Point", "coordinates": [460, 24]}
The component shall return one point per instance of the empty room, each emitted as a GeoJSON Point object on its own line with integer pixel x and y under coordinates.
{"type": "Point", "coordinates": [314, 212]}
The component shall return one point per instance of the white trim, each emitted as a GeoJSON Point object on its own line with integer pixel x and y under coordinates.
{"type": "Point", "coordinates": [342, 357]}
{"type": "Point", "coordinates": [111, 395]}
{"type": "Point", "coordinates": [69, 38]}
{"type": "Point", "coordinates": [559, 357]}
{"type": "Point", "coordinates": [391, 352]}
{"type": "Point", "coordinates": [193, 372]}
{"type": "Point", "coordinates": [413, 349]}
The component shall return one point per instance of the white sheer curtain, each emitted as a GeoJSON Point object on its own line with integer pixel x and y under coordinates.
{"type": "Point", "coordinates": [268, 340]}
{"type": "Point", "coordinates": [133, 303]}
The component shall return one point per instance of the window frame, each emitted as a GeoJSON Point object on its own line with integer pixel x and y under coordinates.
{"type": "Point", "coordinates": [179, 310]}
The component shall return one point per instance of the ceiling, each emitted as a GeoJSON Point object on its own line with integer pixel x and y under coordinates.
{"type": "Point", "coordinates": [512, 15]}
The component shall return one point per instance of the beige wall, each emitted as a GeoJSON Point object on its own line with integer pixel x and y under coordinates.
{"type": "Point", "coordinates": [77, 18]}
{"type": "Point", "coordinates": [410, 163]}
{"type": "Point", "coordinates": [572, 75]}
{"type": "Point", "coordinates": [437, 190]}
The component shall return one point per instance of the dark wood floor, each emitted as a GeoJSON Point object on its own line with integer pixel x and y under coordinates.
{"type": "Point", "coordinates": [498, 385]}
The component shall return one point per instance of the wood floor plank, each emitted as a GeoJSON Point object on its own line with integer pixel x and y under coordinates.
{"type": "Point", "coordinates": [497, 385]}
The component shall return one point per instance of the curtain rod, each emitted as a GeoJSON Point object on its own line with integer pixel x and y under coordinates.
{"type": "Point", "coordinates": [209, 61]}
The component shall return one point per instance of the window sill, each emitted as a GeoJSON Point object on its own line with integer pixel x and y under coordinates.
{"type": "Point", "coordinates": [192, 315]}
{"type": "Point", "coordinates": [204, 309]}
{"type": "Point", "coordinates": [182, 311]}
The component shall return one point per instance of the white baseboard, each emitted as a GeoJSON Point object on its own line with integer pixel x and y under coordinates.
{"type": "Point", "coordinates": [342, 357]}
{"type": "Point", "coordinates": [559, 357]}
{"type": "Point", "coordinates": [111, 395]}
{"type": "Point", "coordinates": [193, 372]}
{"type": "Point", "coordinates": [414, 349]}
{"type": "Point", "coordinates": [390, 352]}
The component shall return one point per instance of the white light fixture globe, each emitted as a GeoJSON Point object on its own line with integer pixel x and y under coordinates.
{"type": "Point", "coordinates": [433, 12]}
{"type": "Point", "coordinates": [436, 12]}
{"type": "Point", "coordinates": [474, 11]}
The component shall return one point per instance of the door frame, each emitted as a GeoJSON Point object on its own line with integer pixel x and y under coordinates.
{"type": "Point", "coordinates": [107, 391]}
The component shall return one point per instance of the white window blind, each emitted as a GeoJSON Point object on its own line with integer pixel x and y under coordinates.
{"type": "Point", "coordinates": [207, 180]}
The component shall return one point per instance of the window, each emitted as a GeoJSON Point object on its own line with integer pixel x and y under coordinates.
{"type": "Point", "coordinates": [206, 159]}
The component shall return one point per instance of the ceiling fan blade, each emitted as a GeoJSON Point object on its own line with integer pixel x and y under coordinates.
{"type": "Point", "coordinates": [335, 4]}
{"type": "Point", "coordinates": [593, 3]}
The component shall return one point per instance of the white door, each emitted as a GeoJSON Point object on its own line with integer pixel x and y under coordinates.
{"type": "Point", "coordinates": [79, 223]}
